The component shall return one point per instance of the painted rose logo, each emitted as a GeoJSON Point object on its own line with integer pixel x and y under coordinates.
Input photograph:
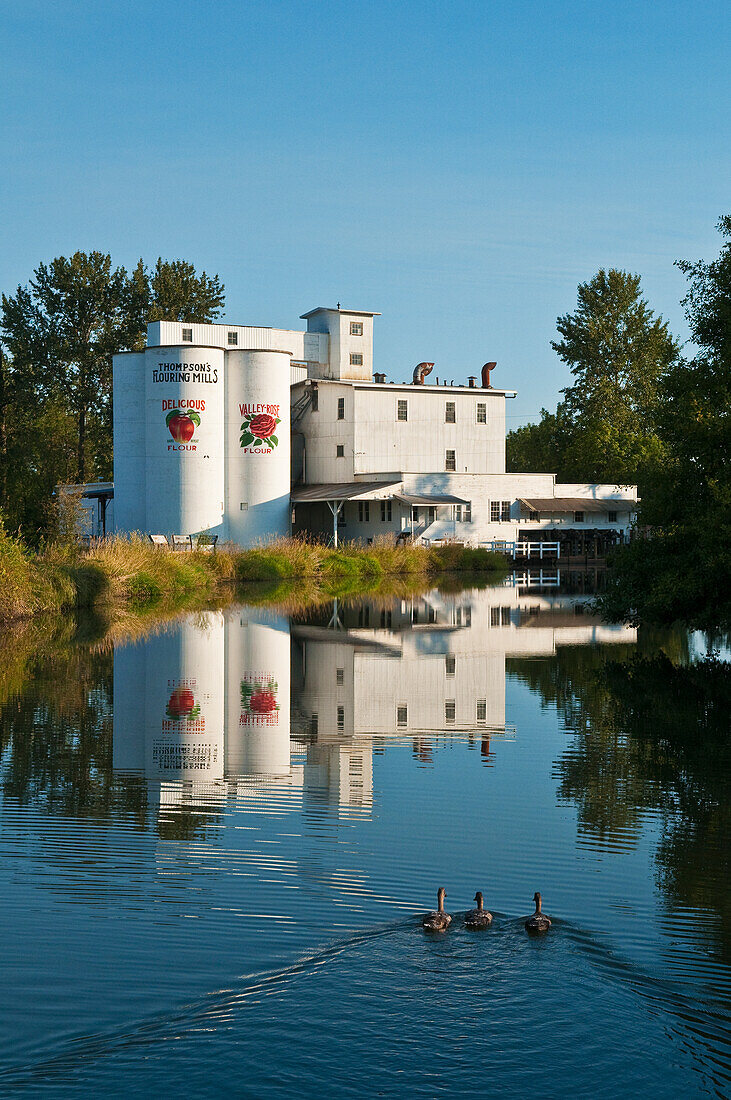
{"type": "Point", "coordinates": [181, 424]}
{"type": "Point", "coordinates": [182, 704]}
{"type": "Point", "coordinates": [259, 429]}
{"type": "Point", "coordinates": [259, 701]}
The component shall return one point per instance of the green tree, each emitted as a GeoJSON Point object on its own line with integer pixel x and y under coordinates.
{"type": "Point", "coordinates": [682, 572]}
{"type": "Point", "coordinates": [60, 333]}
{"type": "Point", "coordinates": [619, 353]}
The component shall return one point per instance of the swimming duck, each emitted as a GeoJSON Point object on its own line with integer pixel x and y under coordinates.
{"type": "Point", "coordinates": [539, 922]}
{"type": "Point", "coordinates": [438, 921]}
{"type": "Point", "coordinates": [479, 917]}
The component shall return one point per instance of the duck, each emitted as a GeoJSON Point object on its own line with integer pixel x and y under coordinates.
{"type": "Point", "coordinates": [539, 922]}
{"type": "Point", "coordinates": [438, 921]}
{"type": "Point", "coordinates": [479, 917]}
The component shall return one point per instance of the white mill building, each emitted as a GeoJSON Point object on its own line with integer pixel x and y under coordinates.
{"type": "Point", "coordinates": [249, 433]}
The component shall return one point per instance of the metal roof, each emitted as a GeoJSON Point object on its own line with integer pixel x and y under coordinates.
{"type": "Point", "coordinates": [339, 490]}
{"type": "Point", "coordinates": [578, 504]}
{"type": "Point", "coordinates": [422, 498]}
{"type": "Point", "coordinates": [330, 309]}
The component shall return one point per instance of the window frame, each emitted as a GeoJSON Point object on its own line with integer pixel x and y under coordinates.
{"type": "Point", "coordinates": [356, 358]}
{"type": "Point", "coordinates": [481, 408]}
{"type": "Point", "coordinates": [579, 516]}
{"type": "Point", "coordinates": [450, 469]}
{"type": "Point", "coordinates": [356, 328]}
{"type": "Point", "coordinates": [402, 406]}
{"type": "Point", "coordinates": [341, 408]}
{"type": "Point", "coordinates": [189, 338]}
{"type": "Point", "coordinates": [232, 339]}
{"type": "Point", "coordinates": [450, 407]}
{"type": "Point", "coordinates": [340, 450]}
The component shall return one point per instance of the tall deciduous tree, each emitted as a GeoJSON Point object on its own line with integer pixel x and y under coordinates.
{"type": "Point", "coordinates": [682, 572]}
{"type": "Point", "coordinates": [60, 333]}
{"type": "Point", "coordinates": [618, 353]}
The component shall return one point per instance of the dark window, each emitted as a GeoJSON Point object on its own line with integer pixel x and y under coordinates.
{"type": "Point", "coordinates": [505, 616]}
{"type": "Point", "coordinates": [339, 676]}
{"type": "Point", "coordinates": [341, 718]}
{"type": "Point", "coordinates": [386, 619]}
{"type": "Point", "coordinates": [233, 338]}
{"type": "Point", "coordinates": [450, 412]}
{"type": "Point", "coordinates": [188, 334]}
{"type": "Point", "coordinates": [505, 511]}
{"type": "Point", "coordinates": [533, 516]}
{"type": "Point", "coordinates": [340, 450]}
{"type": "Point", "coordinates": [458, 513]}
{"type": "Point", "coordinates": [364, 511]}
{"type": "Point", "coordinates": [578, 517]}
{"type": "Point", "coordinates": [402, 716]}
{"type": "Point", "coordinates": [402, 410]}
{"type": "Point", "coordinates": [494, 511]}
{"type": "Point", "coordinates": [481, 412]}
{"type": "Point", "coordinates": [450, 461]}
{"type": "Point", "coordinates": [364, 616]}
{"type": "Point", "coordinates": [449, 664]}
{"type": "Point", "coordinates": [341, 408]}
{"type": "Point", "coordinates": [449, 710]}
{"type": "Point", "coordinates": [313, 725]}
{"type": "Point", "coordinates": [314, 400]}
{"type": "Point", "coordinates": [467, 517]}
{"type": "Point", "coordinates": [611, 517]}
{"type": "Point", "coordinates": [386, 511]}
{"type": "Point", "coordinates": [494, 616]}
{"type": "Point", "coordinates": [356, 359]}
{"type": "Point", "coordinates": [356, 328]}
{"type": "Point", "coordinates": [481, 710]}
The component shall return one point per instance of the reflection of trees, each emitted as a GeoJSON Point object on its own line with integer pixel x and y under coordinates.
{"type": "Point", "coordinates": [649, 735]}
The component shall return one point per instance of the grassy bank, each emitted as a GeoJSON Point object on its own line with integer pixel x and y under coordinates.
{"type": "Point", "coordinates": [132, 572]}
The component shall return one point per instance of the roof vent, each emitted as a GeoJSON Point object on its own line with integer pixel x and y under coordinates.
{"type": "Point", "coordinates": [420, 372]}
{"type": "Point", "coordinates": [486, 371]}
{"type": "Point", "coordinates": [471, 381]}
{"type": "Point", "coordinates": [379, 378]}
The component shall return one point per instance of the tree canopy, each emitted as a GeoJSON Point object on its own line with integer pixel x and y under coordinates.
{"type": "Point", "coordinates": [59, 334]}
{"type": "Point", "coordinates": [618, 353]}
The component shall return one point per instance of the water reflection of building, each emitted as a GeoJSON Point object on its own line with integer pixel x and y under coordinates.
{"type": "Point", "coordinates": [432, 664]}
{"type": "Point", "coordinates": [208, 709]}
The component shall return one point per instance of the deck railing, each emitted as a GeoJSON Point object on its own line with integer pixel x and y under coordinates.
{"type": "Point", "coordinates": [522, 549]}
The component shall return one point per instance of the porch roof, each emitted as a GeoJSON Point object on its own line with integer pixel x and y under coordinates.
{"type": "Point", "coordinates": [578, 504]}
{"type": "Point", "coordinates": [339, 490]}
{"type": "Point", "coordinates": [426, 499]}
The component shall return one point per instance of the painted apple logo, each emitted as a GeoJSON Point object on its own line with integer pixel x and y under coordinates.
{"type": "Point", "coordinates": [181, 425]}
{"type": "Point", "coordinates": [259, 429]}
{"type": "Point", "coordinates": [182, 704]}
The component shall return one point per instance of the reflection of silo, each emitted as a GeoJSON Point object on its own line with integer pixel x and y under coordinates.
{"type": "Point", "coordinates": [258, 442]}
{"type": "Point", "coordinates": [184, 429]}
{"type": "Point", "coordinates": [128, 383]}
{"type": "Point", "coordinates": [130, 676]}
{"type": "Point", "coordinates": [184, 731]}
{"type": "Point", "coordinates": [257, 695]}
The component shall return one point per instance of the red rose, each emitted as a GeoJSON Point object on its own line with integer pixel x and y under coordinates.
{"type": "Point", "coordinates": [263, 702]}
{"type": "Point", "coordinates": [262, 426]}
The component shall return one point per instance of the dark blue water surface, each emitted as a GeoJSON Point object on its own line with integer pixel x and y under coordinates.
{"type": "Point", "coordinates": [216, 841]}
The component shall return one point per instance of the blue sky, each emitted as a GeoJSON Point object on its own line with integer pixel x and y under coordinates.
{"type": "Point", "coordinates": [460, 167]}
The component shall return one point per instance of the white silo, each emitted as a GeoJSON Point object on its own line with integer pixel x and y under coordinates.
{"type": "Point", "coordinates": [258, 445]}
{"type": "Point", "coordinates": [128, 396]}
{"type": "Point", "coordinates": [257, 694]}
{"type": "Point", "coordinates": [184, 430]}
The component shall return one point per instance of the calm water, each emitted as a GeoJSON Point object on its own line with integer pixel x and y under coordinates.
{"type": "Point", "coordinates": [215, 844]}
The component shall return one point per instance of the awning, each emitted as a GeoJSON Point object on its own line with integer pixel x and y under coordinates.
{"type": "Point", "coordinates": [430, 501]}
{"type": "Point", "coordinates": [578, 504]}
{"type": "Point", "coordinates": [339, 490]}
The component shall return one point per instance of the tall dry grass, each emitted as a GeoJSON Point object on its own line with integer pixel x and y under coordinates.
{"type": "Point", "coordinates": [132, 572]}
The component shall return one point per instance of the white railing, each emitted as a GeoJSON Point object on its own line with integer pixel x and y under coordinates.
{"type": "Point", "coordinates": [538, 578]}
{"type": "Point", "coordinates": [525, 549]}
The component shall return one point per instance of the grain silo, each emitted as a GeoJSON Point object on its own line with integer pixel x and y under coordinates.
{"type": "Point", "coordinates": [257, 444]}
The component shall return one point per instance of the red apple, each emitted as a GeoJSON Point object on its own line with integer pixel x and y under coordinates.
{"type": "Point", "coordinates": [263, 702]}
{"type": "Point", "coordinates": [181, 702]}
{"type": "Point", "coordinates": [181, 428]}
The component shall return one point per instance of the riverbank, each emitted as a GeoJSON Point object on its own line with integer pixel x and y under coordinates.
{"type": "Point", "coordinates": [134, 573]}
